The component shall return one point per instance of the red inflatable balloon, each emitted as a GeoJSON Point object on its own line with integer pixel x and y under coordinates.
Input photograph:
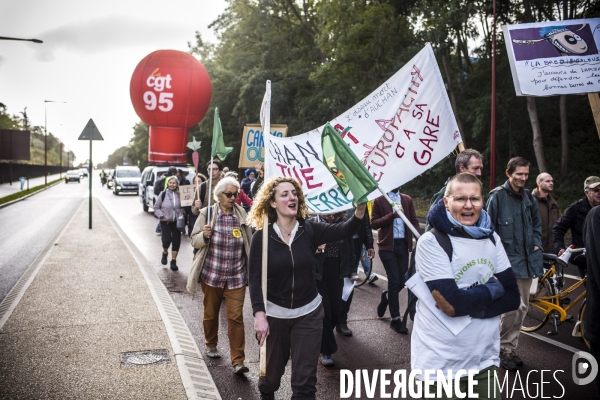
{"type": "Point", "coordinates": [170, 91]}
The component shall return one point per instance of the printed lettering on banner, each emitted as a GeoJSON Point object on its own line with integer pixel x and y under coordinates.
{"type": "Point", "coordinates": [400, 130]}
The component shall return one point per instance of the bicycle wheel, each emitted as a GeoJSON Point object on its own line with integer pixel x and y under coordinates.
{"type": "Point", "coordinates": [582, 324]}
{"type": "Point", "coordinates": [536, 316]}
{"type": "Point", "coordinates": [365, 272]}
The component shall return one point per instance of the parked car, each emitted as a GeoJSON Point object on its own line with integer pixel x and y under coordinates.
{"type": "Point", "coordinates": [73, 176]}
{"type": "Point", "coordinates": [109, 178]}
{"type": "Point", "coordinates": [149, 176]}
{"type": "Point", "coordinates": [126, 180]}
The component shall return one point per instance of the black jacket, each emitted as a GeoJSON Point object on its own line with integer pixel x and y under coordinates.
{"type": "Point", "coordinates": [573, 219]}
{"type": "Point", "coordinates": [591, 236]}
{"type": "Point", "coordinates": [365, 232]}
{"type": "Point", "coordinates": [290, 277]}
{"type": "Point", "coordinates": [348, 264]}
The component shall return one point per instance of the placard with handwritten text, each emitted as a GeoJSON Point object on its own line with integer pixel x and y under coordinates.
{"type": "Point", "coordinates": [554, 58]}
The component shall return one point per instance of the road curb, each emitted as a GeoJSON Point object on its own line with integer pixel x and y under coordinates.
{"type": "Point", "coordinates": [194, 372]}
{"type": "Point", "coordinates": [29, 195]}
{"type": "Point", "coordinates": [13, 297]}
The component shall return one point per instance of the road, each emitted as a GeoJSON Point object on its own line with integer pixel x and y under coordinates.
{"type": "Point", "coordinates": [374, 346]}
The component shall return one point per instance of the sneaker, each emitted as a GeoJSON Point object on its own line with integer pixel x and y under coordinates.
{"type": "Point", "coordinates": [212, 352]}
{"type": "Point", "coordinates": [382, 304]}
{"type": "Point", "coordinates": [372, 278]}
{"type": "Point", "coordinates": [174, 265]}
{"type": "Point", "coordinates": [396, 325]}
{"type": "Point", "coordinates": [343, 329]}
{"type": "Point", "coordinates": [507, 362]}
{"type": "Point", "coordinates": [158, 233]}
{"type": "Point", "coordinates": [240, 369]}
{"type": "Point", "coordinates": [326, 360]}
{"type": "Point", "coordinates": [163, 260]}
{"type": "Point", "coordinates": [270, 396]}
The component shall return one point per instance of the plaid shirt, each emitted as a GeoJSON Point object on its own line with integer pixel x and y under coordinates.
{"type": "Point", "coordinates": [225, 263]}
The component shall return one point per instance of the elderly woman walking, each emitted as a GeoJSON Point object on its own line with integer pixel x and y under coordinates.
{"type": "Point", "coordinates": [167, 208]}
{"type": "Point", "coordinates": [221, 267]}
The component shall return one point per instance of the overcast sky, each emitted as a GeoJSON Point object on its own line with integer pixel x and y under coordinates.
{"type": "Point", "coordinates": [89, 53]}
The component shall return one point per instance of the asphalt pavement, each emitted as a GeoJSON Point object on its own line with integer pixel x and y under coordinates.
{"type": "Point", "coordinates": [57, 317]}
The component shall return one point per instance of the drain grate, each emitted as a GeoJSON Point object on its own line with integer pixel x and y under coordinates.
{"type": "Point", "coordinates": [147, 357]}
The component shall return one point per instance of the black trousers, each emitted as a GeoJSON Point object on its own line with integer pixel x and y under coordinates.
{"type": "Point", "coordinates": [302, 336]}
{"type": "Point", "coordinates": [396, 264]}
{"type": "Point", "coordinates": [330, 288]}
{"type": "Point", "coordinates": [170, 234]}
{"type": "Point", "coordinates": [357, 247]}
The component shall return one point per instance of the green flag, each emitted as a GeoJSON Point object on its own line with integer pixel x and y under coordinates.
{"type": "Point", "coordinates": [218, 145]}
{"type": "Point", "coordinates": [349, 173]}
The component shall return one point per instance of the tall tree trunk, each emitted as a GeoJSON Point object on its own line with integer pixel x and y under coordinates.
{"type": "Point", "coordinates": [538, 143]}
{"type": "Point", "coordinates": [564, 136]}
{"type": "Point", "coordinates": [452, 96]}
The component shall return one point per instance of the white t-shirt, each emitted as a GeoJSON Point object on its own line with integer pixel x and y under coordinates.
{"type": "Point", "coordinates": [477, 346]}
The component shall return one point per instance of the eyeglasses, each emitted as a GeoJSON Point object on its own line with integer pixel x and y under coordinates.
{"type": "Point", "coordinates": [595, 190]}
{"type": "Point", "coordinates": [462, 200]}
{"type": "Point", "coordinates": [230, 195]}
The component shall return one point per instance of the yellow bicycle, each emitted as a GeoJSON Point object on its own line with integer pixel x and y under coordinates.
{"type": "Point", "coordinates": [550, 302]}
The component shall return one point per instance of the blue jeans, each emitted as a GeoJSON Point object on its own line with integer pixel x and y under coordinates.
{"type": "Point", "coordinates": [396, 264]}
{"type": "Point", "coordinates": [158, 228]}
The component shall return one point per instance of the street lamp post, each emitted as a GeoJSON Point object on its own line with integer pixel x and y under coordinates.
{"type": "Point", "coordinates": [25, 40]}
{"type": "Point", "coordinates": [46, 138]}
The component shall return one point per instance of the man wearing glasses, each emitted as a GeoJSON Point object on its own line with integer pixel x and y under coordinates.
{"type": "Point", "coordinates": [573, 219]}
{"type": "Point", "coordinates": [516, 218]}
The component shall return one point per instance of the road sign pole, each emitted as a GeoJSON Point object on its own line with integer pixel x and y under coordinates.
{"type": "Point", "coordinates": [90, 179]}
{"type": "Point", "coordinates": [90, 132]}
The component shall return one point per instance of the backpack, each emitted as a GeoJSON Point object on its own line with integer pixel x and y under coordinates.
{"type": "Point", "coordinates": [446, 244]}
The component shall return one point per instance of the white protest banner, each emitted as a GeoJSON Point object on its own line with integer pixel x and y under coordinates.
{"type": "Point", "coordinates": [399, 131]}
{"type": "Point", "coordinates": [186, 195]}
{"type": "Point", "coordinates": [554, 58]}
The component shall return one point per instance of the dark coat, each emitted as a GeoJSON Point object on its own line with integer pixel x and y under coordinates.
{"type": "Point", "coordinates": [348, 264]}
{"type": "Point", "coordinates": [290, 271]}
{"type": "Point", "coordinates": [573, 218]}
{"type": "Point", "coordinates": [382, 219]}
{"type": "Point", "coordinates": [517, 221]}
{"type": "Point", "coordinates": [591, 238]}
{"type": "Point", "coordinates": [549, 214]}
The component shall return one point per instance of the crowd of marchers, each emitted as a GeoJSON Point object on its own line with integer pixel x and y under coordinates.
{"type": "Point", "coordinates": [241, 230]}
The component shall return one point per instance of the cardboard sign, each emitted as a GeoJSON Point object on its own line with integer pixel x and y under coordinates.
{"type": "Point", "coordinates": [554, 58]}
{"type": "Point", "coordinates": [252, 151]}
{"type": "Point", "coordinates": [186, 195]}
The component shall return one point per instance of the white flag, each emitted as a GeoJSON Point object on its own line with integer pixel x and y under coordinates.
{"type": "Point", "coordinates": [265, 122]}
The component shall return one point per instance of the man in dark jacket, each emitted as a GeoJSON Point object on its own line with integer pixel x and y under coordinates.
{"type": "Point", "coordinates": [514, 213]}
{"type": "Point", "coordinates": [364, 236]}
{"type": "Point", "coordinates": [573, 219]}
{"type": "Point", "coordinates": [468, 160]}
{"type": "Point", "coordinates": [548, 208]}
{"type": "Point", "coordinates": [591, 233]}
{"type": "Point", "coordinates": [394, 240]}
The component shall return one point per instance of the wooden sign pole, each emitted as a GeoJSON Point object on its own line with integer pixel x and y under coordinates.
{"type": "Point", "coordinates": [595, 104]}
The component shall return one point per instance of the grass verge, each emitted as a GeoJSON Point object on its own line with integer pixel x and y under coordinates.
{"type": "Point", "coordinates": [24, 193]}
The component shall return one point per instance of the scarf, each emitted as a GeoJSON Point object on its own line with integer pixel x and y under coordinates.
{"type": "Point", "coordinates": [482, 228]}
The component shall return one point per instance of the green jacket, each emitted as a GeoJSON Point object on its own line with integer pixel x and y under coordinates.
{"type": "Point", "coordinates": [517, 221]}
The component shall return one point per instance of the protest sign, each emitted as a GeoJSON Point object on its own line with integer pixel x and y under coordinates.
{"type": "Point", "coordinates": [400, 130]}
{"type": "Point", "coordinates": [555, 57]}
{"type": "Point", "coordinates": [252, 149]}
{"type": "Point", "coordinates": [186, 195]}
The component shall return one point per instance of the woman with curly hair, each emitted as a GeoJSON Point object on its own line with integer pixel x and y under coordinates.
{"type": "Point", "coordinates": [294, 315]}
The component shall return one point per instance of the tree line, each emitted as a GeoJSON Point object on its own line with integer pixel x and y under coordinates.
{"type": "Point", "coordinates": [323, 56]}
{"type": "Point", "coordinates": [21, 122]}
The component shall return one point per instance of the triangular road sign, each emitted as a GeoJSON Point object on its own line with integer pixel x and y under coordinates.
{"type": "Point", "coordinates": [90, 131]}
